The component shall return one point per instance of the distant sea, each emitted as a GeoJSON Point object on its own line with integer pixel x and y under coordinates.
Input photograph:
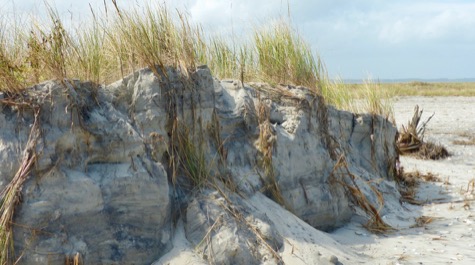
{"type": "Point", "coordinates": [408, 80]}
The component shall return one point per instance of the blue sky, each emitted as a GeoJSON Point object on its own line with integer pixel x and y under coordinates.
{"type": "Point", "coordinates": [356, 38]}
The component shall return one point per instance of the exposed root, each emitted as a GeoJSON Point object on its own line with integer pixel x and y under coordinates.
{"type": "Point", "coordinates": [322, 116]}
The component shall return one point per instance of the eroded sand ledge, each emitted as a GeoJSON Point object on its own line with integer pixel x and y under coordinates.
{"type": "Point", "coordinates": [114, 179]}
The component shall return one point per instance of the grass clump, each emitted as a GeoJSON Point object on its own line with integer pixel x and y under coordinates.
{"type": "Point", "coordinates": [222, 58]}
{"type": "Point", "coordinates": [12, 71]}
{"type": "Point", "coordinates": [367, 98]}
{"type": "Point", "coordinates": [56, 47]}
{"type": "Point", "coordinates": [376, 101]}
{"type": "Point", "coordinates": [339, 94]}
{"type": "Point", "coordinates": [440, 89]}
{"type": "Point", "coordinates": [152, 38]}
{"type": "Point", "coordinates": [87, 48]}
{"type": "Point", "coordinates": [187, 158]}
{"type": "Point", "coordinates": [284, 57]}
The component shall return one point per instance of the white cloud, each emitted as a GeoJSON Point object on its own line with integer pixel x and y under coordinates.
{"type": "Point", "coordinates": [354, 37]}
{"type": "Point", "coordinates": [427, 22]}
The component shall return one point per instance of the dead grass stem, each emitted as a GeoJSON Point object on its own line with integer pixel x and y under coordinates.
{"type": "Point", "coordinates": [423, 220]}
{"type": "Point", "coordinates": [408, 183]}
{"type": "Point", "coordinates": [11, 195]}
{"type": "Point", "coordinates": [265, 145]}
{"type": "Point", "coordinates": [469, 141]}
{"type": "Point", "coordinates": [347, 179]}
{"type": "Point", "coordinates": [241, 219]}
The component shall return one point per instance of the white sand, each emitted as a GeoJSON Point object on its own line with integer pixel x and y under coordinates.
{"type": "Point", "coordinates": [449, 238]}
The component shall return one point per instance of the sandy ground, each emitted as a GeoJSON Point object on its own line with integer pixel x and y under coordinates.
{"type": "Point", "coordinates": [450, 237]}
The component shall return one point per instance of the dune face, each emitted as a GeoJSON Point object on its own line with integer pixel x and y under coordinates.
{"type": "Point", "coordinates": [178, 168]}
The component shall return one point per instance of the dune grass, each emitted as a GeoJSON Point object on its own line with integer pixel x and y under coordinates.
{"type": "Point", "coordinates": [283, 56]}
{"type": "Point", "coordinates": [339, 94]}
{"type": "Point", "coordinates": [116, 42]}
{"type": "Point", "coordinates": [377, 101]}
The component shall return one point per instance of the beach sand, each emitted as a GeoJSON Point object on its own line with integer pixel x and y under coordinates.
{"type": "Point", "coordinates": [447, 236]}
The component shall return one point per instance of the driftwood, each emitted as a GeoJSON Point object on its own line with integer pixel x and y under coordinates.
{"type": "Point", "coordinates": [412, 136]}
{"type": "Point", "coordinates": [411, 139]}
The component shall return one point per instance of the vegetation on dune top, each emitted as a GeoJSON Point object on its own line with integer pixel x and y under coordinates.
{"type": "Point", "coordinates": [116, 42]}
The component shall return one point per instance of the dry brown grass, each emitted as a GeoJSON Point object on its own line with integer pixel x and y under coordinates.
{"type": "Point", "coordinates": [10, 196]}
{"type": "Point", "coordinates": [470, 139]}
{"type": "Point", "coordinates": [342, 175]}
{"type": "Point", "coordinates": [431, 151]}
{"type": "Point", "coordinates": [240, 218]}
{"type": "Point", "coordinates": [265, 145]}
{"type": "Point", "coordinates": [423, 220]}
{"type": "Point", "coordinates": [408, 183]}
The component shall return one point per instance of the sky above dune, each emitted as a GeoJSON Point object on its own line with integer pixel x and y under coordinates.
{"type": "Point", "coordinates": [356, 39]}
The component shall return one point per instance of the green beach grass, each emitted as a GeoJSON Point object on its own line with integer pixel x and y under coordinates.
{"type": "Point", "coordinates": [116, 42]}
